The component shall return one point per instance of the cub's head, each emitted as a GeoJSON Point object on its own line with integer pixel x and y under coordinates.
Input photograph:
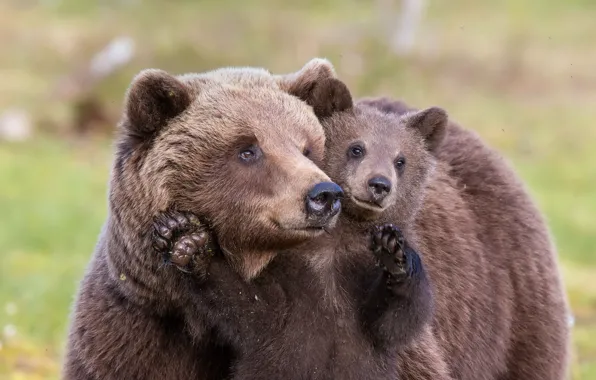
{"type": "Point", "coordinates": [381, 160]}
{"type": "Point", "coordinates": [232, 146]}
{"type": "Point", "coordinates": [379, 151]}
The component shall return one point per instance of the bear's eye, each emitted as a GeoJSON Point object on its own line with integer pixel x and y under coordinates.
{"type": "Point", "coordinates": [250, 154]}
{"type": "Point", "coordinates": [306, 152]}
{"type": "Point", "coordinates": [356, 151]}
{"type": "Point", "coordinates": [400, 163]}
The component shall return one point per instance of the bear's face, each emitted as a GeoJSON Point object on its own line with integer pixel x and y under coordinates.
{"type": "Point", "coordinates": [382, 161]}
{"type": "Point", "coordinates": [230, 146]}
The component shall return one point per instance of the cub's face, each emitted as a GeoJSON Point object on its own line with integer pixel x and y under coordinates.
{"type": "Point", "coordinates": [382, 161]}
{"type": "Point", "coordinates": [233, 148]}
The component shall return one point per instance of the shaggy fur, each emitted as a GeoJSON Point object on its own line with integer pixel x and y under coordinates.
{"type": "Point", "coordinates": [517, 327]}
{"type": "Point", "coordinates": [365, 144]}
{"type": "Point", "coordinates": [344, 313]}
{"type": "Point", "coordinates": [232, 146]}
{"type": "Point", "coordinates": [328, 309]}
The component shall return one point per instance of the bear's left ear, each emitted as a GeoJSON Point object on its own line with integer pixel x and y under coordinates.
{"type": "Point", "coordinates": [317, 85]}
{"type": "Point", "coordinates": [431, 123]}
{"type": "Point", "coordinates": [154, 97]}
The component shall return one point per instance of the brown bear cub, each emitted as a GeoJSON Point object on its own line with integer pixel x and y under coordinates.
{"type": "Point", "coordinates": [522, 250]}
{"type": "Point", "coordinates": [238, 149]}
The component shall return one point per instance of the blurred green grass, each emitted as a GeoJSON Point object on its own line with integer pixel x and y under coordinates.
{"type": "Point", "coordinates": [519, 73]}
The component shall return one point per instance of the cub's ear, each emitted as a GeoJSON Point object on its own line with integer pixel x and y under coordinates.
{"type": "Point", "coordinates": [431, 123]}
{"type": "Point", "coordinates": [153, 98]}
{"type": "Point", "coordinates": [317, 85]}
{"type": "Point", "coordinates": [386, 105]}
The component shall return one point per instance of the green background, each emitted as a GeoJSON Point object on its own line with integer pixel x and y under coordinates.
{"type": "Point", "coordinates": [521, 73]}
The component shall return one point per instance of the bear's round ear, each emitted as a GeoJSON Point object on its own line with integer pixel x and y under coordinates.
{"type": "Point", "coordinates": [153, 98]}
{"type": "Point", "coordinates": [317, 85]}
{"type": "Point", "coordinates": [431, 123]}
{"type": "Point", "coordinates": [328, 96]}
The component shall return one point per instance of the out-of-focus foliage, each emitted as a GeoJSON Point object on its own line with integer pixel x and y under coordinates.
{"type": "Point", "coordinates": [521, 73]}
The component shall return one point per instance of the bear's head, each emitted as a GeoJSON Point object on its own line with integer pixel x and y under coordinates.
{"type": "Point", "coordinates": [380, 158]}
{"type": "Point", "coordinates": [232, 146]}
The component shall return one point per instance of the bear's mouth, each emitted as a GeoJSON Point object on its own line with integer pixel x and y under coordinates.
{"type": "Point", "coordinates": [367, 204]}
{"type": "Point", "coordinates": [309, 229]}
{"type": "Point", "coordinates": [316, 228]}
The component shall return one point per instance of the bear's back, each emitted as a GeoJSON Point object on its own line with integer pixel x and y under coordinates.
{"type": "Point", "coordinates": [473, 306]}
{"type": "Point", "coordinates": [518, 242]}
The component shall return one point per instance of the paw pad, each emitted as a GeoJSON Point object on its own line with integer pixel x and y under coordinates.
{"type": "Point", "coordinates": [180, 238]}
{"type": "Point", "coordinates": [387, 246]}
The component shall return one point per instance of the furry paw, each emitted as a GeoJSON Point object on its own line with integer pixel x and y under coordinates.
{"type": "Point", "coordinates": [392, 254]}
{"type": "Point", "coordinates": [183, 241]}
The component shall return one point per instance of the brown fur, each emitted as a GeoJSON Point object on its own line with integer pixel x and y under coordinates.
{"type": "Point", "coordinates": [515, 325]}
{"type": "Point", "coordinates": [346, 320]}
{"type": "Point", "coordinates": [327, 309]}
{"type": "Point", "coordinates": [180, 139]}
{"type": "Point", "coordinates": [262, 311]}
{"type": "Point", "coordinates": [343, 266]}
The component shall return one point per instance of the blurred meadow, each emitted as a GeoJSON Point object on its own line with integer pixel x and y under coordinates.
{"type": "Point", "coordinates": [521, 73]}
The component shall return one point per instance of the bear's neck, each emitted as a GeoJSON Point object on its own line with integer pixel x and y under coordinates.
{"type": "Point", "coordinates": [129, 238]}
{"type": "Point", "coordinates": [131, 259]}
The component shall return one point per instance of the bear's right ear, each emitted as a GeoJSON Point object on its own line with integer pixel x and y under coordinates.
{"type": "Point", "coordinates": [153, 98]}
{"type": "Point", "coordinates": [431, 123]}
{"type": "Point", "coordinates": [317, 85]}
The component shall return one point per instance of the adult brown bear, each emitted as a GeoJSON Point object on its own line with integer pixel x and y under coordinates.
{"type": "Point", "coordinates": [177, 143]}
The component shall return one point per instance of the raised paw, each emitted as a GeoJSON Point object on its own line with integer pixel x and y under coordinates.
{"type": "Point", "coordinates": [388, 246]}
{"type": "Point", "coordinates": [182, 240]}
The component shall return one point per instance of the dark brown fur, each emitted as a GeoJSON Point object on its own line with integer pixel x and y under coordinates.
{"type": "Point", "coordinates": [339, 317]}
{"type": "Point", "coordinates": [328, 309]}
{"type": "Point", "coordinates": [515, 325]}
{"type": "Point", "coordinates": [342, 269]}
{"type": "Point", "coordinates": [263, 310]}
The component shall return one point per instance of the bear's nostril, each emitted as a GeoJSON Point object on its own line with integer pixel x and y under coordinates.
{"type": "Point", "coordinates": [323, 199]}
{"type": "Point", "coordinates": [379, 187]}
{"type": "Point", "coordinates": [325, 191]}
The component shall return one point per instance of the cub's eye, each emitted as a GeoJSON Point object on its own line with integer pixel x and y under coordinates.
{"type": "Point", "coordinates": [306, 152]}
{"type": "Point", "coordinates": [400, 163]}
{"type": "Point", "coordinates": [250, 154]}
{"type": "Point", "coordinates": [356, 151]}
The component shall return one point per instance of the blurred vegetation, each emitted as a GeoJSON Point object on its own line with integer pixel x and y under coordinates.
{"type": "Point", "coordinates": [521, 73]}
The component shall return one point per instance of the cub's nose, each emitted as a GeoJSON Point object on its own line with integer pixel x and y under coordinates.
{"type": "Point", "coordinates": [379, 187]}
{"type": "Point", "coordinates": [323, 201]}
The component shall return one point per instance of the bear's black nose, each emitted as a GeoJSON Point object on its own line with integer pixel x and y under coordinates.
{"type": "Point", "coordinates": [379, 187]}
{"type": "Point", "coordinates": [323, 201]}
